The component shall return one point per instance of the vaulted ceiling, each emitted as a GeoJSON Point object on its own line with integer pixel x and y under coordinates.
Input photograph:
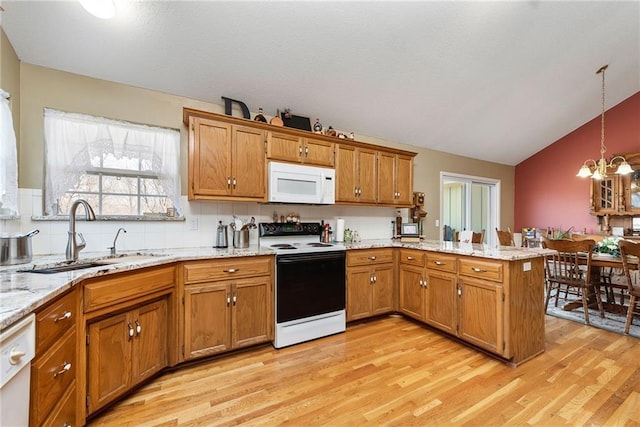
{"type": "Point", "coordinates": [497, 81]}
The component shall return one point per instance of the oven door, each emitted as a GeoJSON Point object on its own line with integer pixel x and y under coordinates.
{"type": "Point", "coordinates": [309, 284]}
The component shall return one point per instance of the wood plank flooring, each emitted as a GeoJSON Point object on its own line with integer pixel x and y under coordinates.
{"type": "Point", "coordinates": [392, 371]}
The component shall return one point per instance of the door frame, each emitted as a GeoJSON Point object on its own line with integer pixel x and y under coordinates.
{"type": "Point", "coordinates": [494, 194]}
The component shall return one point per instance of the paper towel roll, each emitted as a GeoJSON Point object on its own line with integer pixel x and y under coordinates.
{"type": "Point", "coordinates": [339, 234]}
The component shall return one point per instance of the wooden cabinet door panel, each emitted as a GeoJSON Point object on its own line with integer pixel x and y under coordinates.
{"type": "Point", "coordinates": [481, 314]}
{"type": "Point", "coordinates": [251, 312]}
{"type": "Point", "coordinates": [249, 163]}
{"type": "Point", "coordinates": [386, 178]}
{"type": "Point", "coordinates": [109, 360]}
{"type": "Point", "coordinates": [383, 296]}
{"type": "Point", "coordinates": [284, 147]}
{"type": "Point", "coordinates": [210, 158]}
{"type": "Point", "coordinates": [150, 343]}
{"type": "Point", "coordinates": [345, 173]}
{"type": "Point", "coordinates": [321, 153]}
{"type": "Point", "coordinates": [411, 293]}
{"type": "Point", "coordinates": [441, 310]}
{"type": "Point", "coordinates": [359, 289]}
{"type": "Point", "coordinates": [404, 180]}
{"type": "Point", "coordinates": [207, 324]}
{"type": "Point", "coordinates": [367, 176]}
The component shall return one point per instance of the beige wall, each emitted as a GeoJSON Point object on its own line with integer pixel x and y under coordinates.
{"type": "Point", "coordinates": [43, 87]}
{"type": "Point", "coordinates": [10, 80]}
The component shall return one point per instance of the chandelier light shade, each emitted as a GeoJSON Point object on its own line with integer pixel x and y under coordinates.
{"type": "Point", "coordinates": [598, 169]}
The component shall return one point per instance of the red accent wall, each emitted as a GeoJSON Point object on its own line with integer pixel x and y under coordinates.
{"type": "Point", "coordinates": [547, 191]}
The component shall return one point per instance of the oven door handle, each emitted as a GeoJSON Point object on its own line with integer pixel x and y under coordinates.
{"type": "Point", "coordinates": [291, 259]}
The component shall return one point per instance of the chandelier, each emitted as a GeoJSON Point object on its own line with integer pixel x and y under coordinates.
{"type": "Point", "coordinates": [598, 170]}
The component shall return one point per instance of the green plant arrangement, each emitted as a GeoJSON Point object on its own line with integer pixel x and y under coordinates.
{"type": "Point", "coordinates": [558, 234]}
{"type": "Point", "coordinates": [608, 245]}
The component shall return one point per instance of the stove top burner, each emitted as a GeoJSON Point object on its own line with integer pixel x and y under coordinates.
{"type": "Point", "coordinates": [283, 246]}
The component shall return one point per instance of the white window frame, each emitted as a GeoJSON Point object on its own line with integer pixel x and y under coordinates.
{"type": "Point", "coordinates": [72, 140]}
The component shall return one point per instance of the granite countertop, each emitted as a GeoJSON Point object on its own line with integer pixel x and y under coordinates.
{"type": "Point", "coordinates": [22, 293]}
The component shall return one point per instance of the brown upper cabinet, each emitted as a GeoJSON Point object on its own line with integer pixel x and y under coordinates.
{"type": "Point", "coordinates": [395, 178]}
{"type": "Point", "coordinates": [228, 161]}
{"type": "Point", "coordinates": [618, 194]}
{"type": "Point", "coordinates": [295, 149]}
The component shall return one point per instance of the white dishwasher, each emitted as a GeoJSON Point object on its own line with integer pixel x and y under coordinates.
{"type": "Point", "coordinates": [17, 349]}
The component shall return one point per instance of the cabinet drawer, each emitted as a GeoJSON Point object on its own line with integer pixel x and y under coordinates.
{"type": "Point", "coordinates": [52, 374]}
{"type": "Point", "coordinates": [65, 413]}
{"type": "Point", "coordinates": [55, 320]}
{"type": "Point", "coordinates": [488, 270]}
{"type": "Point", "coordinates": [227, 269]}
{"type": "Point", "coordinates": [412, 257]}
{"type": "Point", "coordinates": [369, 257]}
{"type": "Point", "coordinates": [436, 261]}
{"type": "Point", "coordinates": [126, 286]}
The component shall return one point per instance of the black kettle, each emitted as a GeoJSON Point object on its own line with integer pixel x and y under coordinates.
{"type": "Point", "coordinates": [221, 236]}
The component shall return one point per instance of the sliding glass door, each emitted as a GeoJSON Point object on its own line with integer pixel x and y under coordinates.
{"type": "Point", "coordinates": [469, 203]}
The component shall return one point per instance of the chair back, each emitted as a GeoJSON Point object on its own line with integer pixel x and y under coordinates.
{"type": "Point", "coordinates": [477, 237]}
{"type": "Point", "coordinates": [505, 238]}
{"type": "Point", "coordinates": [627, 249]}
{"type": "Point", "coordinates": [571, 264]}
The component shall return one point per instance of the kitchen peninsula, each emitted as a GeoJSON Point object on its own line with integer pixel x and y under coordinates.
{"type": "Point", "coordinates": [491, 298]}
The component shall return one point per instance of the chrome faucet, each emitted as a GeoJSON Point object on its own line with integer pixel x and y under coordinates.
{"type": "Point", "coordinates": [113, 248]}
{"type": "Point", "coordinates": [73, 247]}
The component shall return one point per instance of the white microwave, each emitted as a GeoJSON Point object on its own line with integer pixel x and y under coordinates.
{"type": "Point", "coordinates": [290, 183]}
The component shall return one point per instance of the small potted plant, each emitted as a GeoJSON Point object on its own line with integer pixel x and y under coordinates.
{"type": "Point", "coordinates": [608, 246]}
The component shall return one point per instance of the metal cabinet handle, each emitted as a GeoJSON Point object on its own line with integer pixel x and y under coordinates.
{"type": "Point", "coordinates": [459, 291]}
{"type": "Point", "coordinates": [66, 366]}
{"type": "Point", "coordinates": [235, 298]}
{"type": "Point", "coordinates": [65, 315]}
{"type": "Point", "coordinates": [300, 149]}
{"type": "Point", "coordinates": [372, 258]}
{"type": "Point", "coordinates": [138, 327]}
{"type": "Point", "coordinates": [228, 182]}
{"type": "Point", "coordinates": [131, 330]}
{"type": "Point", "coordinates": [375, 278]}
{"type": "Point", "coordinates": [410, 258]}
{"type": "Point", "coordinates": [228, 300]}
{"type": "Point", "coordinates": [439, 263]}
{"type": "Point", "coordinates": [231, 270]}
{"type": "Point", "coordinates": [425, 282]}
{"type": "Point", "coordinates": [234, 182]}
{"type": "Point", "coordinates": [478, 270]}
{"type": "Point", "coordinates": [306, 151]}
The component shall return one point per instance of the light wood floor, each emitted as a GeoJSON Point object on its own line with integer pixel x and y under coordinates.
{"type": "Point", "coordinates": [394, 372]}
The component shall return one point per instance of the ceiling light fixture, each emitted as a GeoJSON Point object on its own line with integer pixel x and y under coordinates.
{"type": "Point", "coordinates": [104, 9]}
{"type": "Point", "coordinates": [598, 170]}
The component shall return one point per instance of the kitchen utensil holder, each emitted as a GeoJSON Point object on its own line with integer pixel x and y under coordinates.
{"type": "Point", "coordinates": [241, 238]}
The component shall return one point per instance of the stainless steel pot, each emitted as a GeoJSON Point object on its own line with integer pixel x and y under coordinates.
{"type": "Point", "coordinates": [16, 248]}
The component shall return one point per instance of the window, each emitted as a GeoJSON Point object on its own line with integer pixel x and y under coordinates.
{"type": "Point", "coordinates": [120, 168]}
{"type": "Point", "coordinates": [8, 160]}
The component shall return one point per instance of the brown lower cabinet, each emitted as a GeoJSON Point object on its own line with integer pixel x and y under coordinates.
{"type": "Point", "coordinates": [228, 304]}
{"type": "Point", "coordinates": [370, 283]}
{"type": "Point", "coordinates": [125, 349]}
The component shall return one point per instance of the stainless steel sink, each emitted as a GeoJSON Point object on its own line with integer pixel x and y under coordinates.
{"type": "Point", "coordinates": [63, 268]}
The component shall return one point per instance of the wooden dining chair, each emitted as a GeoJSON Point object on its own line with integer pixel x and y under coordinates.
{"type": "Point", "coordinates": [478, 237]}
{"type": "Point", "coordinates": [627, 249]}
{"type": "Point", "coordinates": [505, 238]}
{"type": "Point", "coordinates": [570, 268]}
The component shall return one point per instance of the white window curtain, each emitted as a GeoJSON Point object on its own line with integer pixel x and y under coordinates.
{"type": "Point", "coordinates": [8, 160]}
{"type": "Point", "coordinates": [72, 139]}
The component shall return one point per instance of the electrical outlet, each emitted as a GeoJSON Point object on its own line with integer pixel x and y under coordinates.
{"type": "Point", "coordinates": [526, 266]}
{"type": "Point", "coordinates": [193, 223]}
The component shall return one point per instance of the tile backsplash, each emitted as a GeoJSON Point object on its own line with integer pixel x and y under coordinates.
{"type": "Point", "coordinates": [197, 230]}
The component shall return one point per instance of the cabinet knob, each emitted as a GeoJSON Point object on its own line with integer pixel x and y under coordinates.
{"type": "Point", "coordinates": [66, 366]}
{"type": "Point", "coordinates": [65, 315]}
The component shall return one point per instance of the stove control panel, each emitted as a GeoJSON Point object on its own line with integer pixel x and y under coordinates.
{"type": "Point", "coordinates": [269, 229]}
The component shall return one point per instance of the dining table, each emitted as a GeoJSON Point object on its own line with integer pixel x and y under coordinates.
{"type": "Point", "coordinates": [599, 262]}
